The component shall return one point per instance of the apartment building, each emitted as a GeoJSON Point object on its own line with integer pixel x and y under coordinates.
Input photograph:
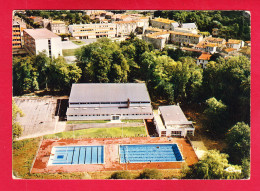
{"type": "Point", "coordinates": [158, 39]}
{"type": "Point", "coordinates": [109, 101]}
{"type": "Point", "coordinates": [124, 28]}
{"type": "Point", "coordinates": [219, 41]}
{"type": "Point", "coordinates": [39, 40]}
{"type": "Point", "coordinates": [16, 36]}
{"type": "Point", "coordinates": [90, 31]}
{"type": "Point", "coordinates": [162, 23]}
{"type": "Point", "coordinates": [58, 27]}
{"type": "Point", "coordinates": [185, 38]}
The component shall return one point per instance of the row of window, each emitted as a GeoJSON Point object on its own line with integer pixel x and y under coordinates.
{"type": "Point", "coordinates": [110, 114]}
{"type": "Point", "coordinates": [176, 133]}
{"type": "Point", "coordinates": [125, 102]}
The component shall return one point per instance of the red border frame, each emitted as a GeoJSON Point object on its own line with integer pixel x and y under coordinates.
{"type": "Point", "coordinates": [7, 183]}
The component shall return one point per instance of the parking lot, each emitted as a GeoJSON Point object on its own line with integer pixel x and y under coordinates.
{"type": "Point", "coordinates": [39, 116]}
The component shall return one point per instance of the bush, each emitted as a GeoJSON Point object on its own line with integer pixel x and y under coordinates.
{"type": "Point", "coordinates": [150, 174]}
{"type": "Point", "coordinates": [121, 175]}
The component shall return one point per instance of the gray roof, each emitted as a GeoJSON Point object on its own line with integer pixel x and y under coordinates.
{"type": "Point", "coordinates": [175, 24]}
{"type": "Point", "coordinates": [189, 25]}
{"type": "Point", "coordinates": [173, 114]}
{"type": "Point", "coordinates": [108, 92]}
{"type": "Point", "coordinates": [41, 33]}
{"type": "Point", "coordinates": [109, 110]}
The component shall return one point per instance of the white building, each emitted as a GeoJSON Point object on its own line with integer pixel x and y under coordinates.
{"type": "Point", "coordinates": [109, 101]}
{"type": "Point", "coordinates": [203, 60]}
{"type": "Point", "coordinates": [158, 39]}
{"type": "Point", "coordinates": [124, 28]}
{"type": "Point", "coordinates": [185, 28]}
{"type": "Point", "coordinates": [236, 44]}
{"type": "Point", "coordinates": [58, 27]}
{"type": "Point", "coordinates": [39, 40]}
{"type": "Point", "coordinates": [185, 38]}
{"type": "Point", "coordinates": [171, 122]}
{"type": "Point", "coordinates": [162, 23]}
{"type": "Point", "coordinates": [90, 31]}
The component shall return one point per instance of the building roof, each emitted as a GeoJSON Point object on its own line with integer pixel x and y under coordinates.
{"type": "Point", "coordinates": [214, 39]}
{"type": "Point", "coordinates": [162, 20]}
{"type": "Point", "coordinates": [190, 49]}
{"type": "Point", "coordinates": [233, 41]}
{"type": "Point", "coordinates": [173, 114]}
{"type": "Point", "coordinates": [57, 22]}
{"type": "Point", "coordinates": [204, 56]}
{"type": "Point", "coordinates": [175, 24]}
{"type": "Point", "coordinates": [108, 92]}
{"type": "Point", "coordinates": [41, 33]}
{"type": "Point", "coordinates": [185, 34]}
{"type": "Point", "coordinates": [157, 34]}
{"type": "Point", "coordinates": [124, 22]}
{"type": "Point", "coordinates": [229, 49]}
{"type": "Point", "coordinates": [188, 25]}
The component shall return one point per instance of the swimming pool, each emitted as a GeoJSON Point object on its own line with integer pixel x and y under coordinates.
{"type": "Point", "coordinates": [150, 153]}
{"type": "Point", "coordinates": [77, 155]}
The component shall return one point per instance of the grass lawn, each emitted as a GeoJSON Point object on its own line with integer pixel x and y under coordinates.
{"type": "Point", "coordinates": [68, 52]}
{"type": "Point", "coordinates": [78, 42]}
{"type": "Point", "coordinates": [89, 121]}
{"type": "Point", "coordinates": [101, 133]}
{"type": "Point", "coordinates": [132, 120]}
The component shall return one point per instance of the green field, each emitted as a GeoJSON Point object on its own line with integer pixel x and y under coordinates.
{"type": "Point", "coordinates": [78, 42]}
{"type": "Point", "coordinates": [132, 120]}
{"type": "Point", "coordinates": [101, 133]}
{"type": "Point", "coordinates": [69, 52]}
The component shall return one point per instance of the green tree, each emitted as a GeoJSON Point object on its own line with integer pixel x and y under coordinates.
{"type": "Point", "coordinates": [121, 175]}
{"type": "Point", "coordinates": [238, 142]}
{"type": "Point", "coordinates": [214, 165]}
{"type": "Point", "coordinates": [216, 113]}
{"type": "Point", "coordinates": [150, 174]}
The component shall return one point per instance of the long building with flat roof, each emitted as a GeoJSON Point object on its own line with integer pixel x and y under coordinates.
{"type": "Point", "coordinates": [109, 101]}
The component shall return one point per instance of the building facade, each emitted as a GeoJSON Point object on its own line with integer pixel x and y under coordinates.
{"type": "Point", "coordinates": [16, 36]}
{"type": "Point", "coordinates": [185, 38]}
{"type": "Point", "coordinates": [39, 40]}
{"type": "Point", "coordinates": [124, 28]}
{"type": "Point", "coordinates": [90, 31]}
{"type": "Point", "coordinates": [162, 23]}
{"type": "Point", "coordinates": [158, 39]}
{"type": "Point", "coordinates": [236, 44]}
{"type": "Point", "coordinates": [109, 101]}
{"type": "Point", "coordinates": [203, 59]}
{"type": "Point", "coordinates": [171, 122]}
{"type": "Point", "coordinates": [58, 27]}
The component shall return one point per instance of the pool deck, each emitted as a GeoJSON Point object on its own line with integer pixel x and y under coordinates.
{"type": "Point", "coordinates": [111, 155]}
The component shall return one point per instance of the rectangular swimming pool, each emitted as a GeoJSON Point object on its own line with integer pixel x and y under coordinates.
{"type": "Point", "coordinates": [77, 155]}
{"type": "Point", "coordinates": [150, 153]}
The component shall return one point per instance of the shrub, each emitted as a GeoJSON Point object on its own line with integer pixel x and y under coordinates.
{"type": "Point", "coordinates": [150, 174]}
{"type": "Point", "coordinates": [121, 175]}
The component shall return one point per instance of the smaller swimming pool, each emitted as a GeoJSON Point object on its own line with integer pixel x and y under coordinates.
{"type": "Point", "coordinates": [150, 153]}
{"type": "Point", "coordinates": [77, 155]}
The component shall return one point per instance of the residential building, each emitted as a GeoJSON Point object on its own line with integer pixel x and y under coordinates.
{"type": "Point", "coordinates": [124, 28]}
{"type": "Point", "coordinates": [16, 36]}
{"type": "Point", "coordinates": [215, 31]}
{"type": "Point", "coordinates": [171, 122]}
{"type": "Point", "coordinates": [203, 59]}
{"type": "Point", "coordinates": [109, 101]}
{"type": "Point", "coordinates": [185, 38]}
{"type": "Point", "coordinates": [230, 51]}
{"type": "Point", "coordinates": [158, 39]}
{"type": "Point", "coordinates": [162, 23]}
{"type": "Point", "coordinates": [38, 40]}
{"type": "Point", "coordinates": [90, 31]}
{"type": "Point", "coordinates": [36, 19]}
{"type": "Point", "coordinates": [45, 23]}
{"type": "Point", "coordinates": [58, 27]}
{"type": "Point", "coordinates": [248, 43]}
{"type": "Point", "coordinates": [236, 44]}
{"type": "Point", "coordinates": [219, 41]}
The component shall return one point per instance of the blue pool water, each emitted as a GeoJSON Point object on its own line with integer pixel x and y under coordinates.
{"type": "Point", "coordinates": [78, 155]}
{"type": "Point", "coordinates": [150, 153]}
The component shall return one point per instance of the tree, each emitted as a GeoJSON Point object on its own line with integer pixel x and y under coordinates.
{"type": "Point", "coordinates": [245, 168]}
{"type": "Point", "coordinates": [121, 175]}
{"type": "Point", "coordinates": [150, 174]}
{"type": "Point", "coordinates": [216, 113]}
{"type": "Point", "coordinates": [238, 142]}
{"type": "Point", "coordinates": [214, 165]}
{"type": "Point", "coordinates": [16, 127]}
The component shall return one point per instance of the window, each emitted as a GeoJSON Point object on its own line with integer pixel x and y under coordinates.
{"type": "Point", "coordinates": [190, 132]}
{"type": "Point", "coordinates": [163, 134]}
{"type": "Point", "coordinates": [176, 133]}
